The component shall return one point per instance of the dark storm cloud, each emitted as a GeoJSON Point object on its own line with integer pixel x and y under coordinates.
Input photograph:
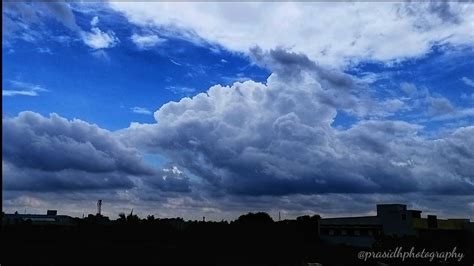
{"type": "Point", "coordinates": [55, 154]}
{"type": "Point", "coordinates": [55, 144]}
{"type": "Point", "coordinates": [28, 179]}
{"type": "Point", "coordinates": [49, 153]}
{"type": "Point", "coordinates": [277, 139]}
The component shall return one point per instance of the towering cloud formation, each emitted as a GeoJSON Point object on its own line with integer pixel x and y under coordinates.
{"type": "Point", "coordinates": [249, 142]}
{"type": "Point", "coordinates": [278, 138]}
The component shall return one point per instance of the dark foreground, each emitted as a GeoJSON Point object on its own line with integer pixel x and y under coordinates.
{"type": "Point", "coordinates": [174, 242]}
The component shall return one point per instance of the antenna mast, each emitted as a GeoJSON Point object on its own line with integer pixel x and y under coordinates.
{"type": "Point", "coordinates": [99, 207]}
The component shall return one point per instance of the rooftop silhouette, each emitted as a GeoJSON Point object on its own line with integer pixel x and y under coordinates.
{"type": "Point", "coordinates": [252, 239]}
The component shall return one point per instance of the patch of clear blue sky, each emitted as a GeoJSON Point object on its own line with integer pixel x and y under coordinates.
{"type": "Point", "coordinates": [102, 89]}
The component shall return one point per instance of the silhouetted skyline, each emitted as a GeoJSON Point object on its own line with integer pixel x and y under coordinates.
{"type": "Point", "coordinates": [252, 239]}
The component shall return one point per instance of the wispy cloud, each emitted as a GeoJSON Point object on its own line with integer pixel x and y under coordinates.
{"type": "Point", "coordinates": [20, 88]}
{"type": "Point", "coordinates": [468, 81]}
{"type": "Point", "coordinates": [181, 90]}
{"type": "Point", "coordinates": [146, 41]}
{"type": "Point", "coordinates": [456, 114]}
{"type": "Point", "coordinates": [44, 50]}
{"type": "Point", "coordinates": [466, 96]}
{"type": "Point", "coordinates": [141, 110]}
{"type": "Point", "coordinates": [101, 54]}
{"type": "Point", "coordinates": [174, 62]}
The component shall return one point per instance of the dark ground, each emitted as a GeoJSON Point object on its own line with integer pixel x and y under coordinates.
{"type": "Point", "coordinates": [175, 242]}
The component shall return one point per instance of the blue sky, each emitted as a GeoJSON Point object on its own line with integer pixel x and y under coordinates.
{"type": "Point", "coordinates": [224, 108]}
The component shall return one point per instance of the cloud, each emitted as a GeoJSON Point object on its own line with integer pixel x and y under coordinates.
{"type": "Point", "coordinates": [47, 144]}
{"type": "Point", "coordinates": [468, 81]}
{"type": "Point", "coordinates": [140, 110]}
{"type": "Point", "coordinates": [170, 180]}
{"type": "Point", "coordinates": [23, 89]}
{"type": "Point", "coordinates": [95, 21]}
{"type": "Point", "coordinates": [52, 152]}
{"type": "Point", "coordinates": [426, 106]}
{"type": "Point", "coordinates": [17, 92]}
{"type": "Point", "coordinates": [348, 93]}
{"type": "Point", "coordinates": [465, 96]}
{"type": "Point", "coordinates": [408, 88]}
{"type": "Point", "coordinates": [440, 106]}
{"type": "Point", "coordinates": [379, 31]}
{"type": "Point", "coordinates": [101, 54]}
{"type": "Point", "coordinates": [174, 62]}
{"type": "Point", "coordinates": [62, 12]}
{"type": "Point", "coordinates": [44, 50]}
{"type": "Point", "coordinates": [181, 90]}
{"type": "Point", "coordinates": [19, 178]}
{"type": "Point", "coordinates": [240, 77]}
{"type": "Point", "coordinates": [26, 21]}
{"type": "Point", "coordinates": [277, 138]}
{"type": "Point", "coordinates": [31, 12]}
{"type": "Point", "coordinates": [97, 39]}
{"type": "Point", "coordinates": [456, 114]}
{"type": "Point", "coordinates": [146, 41]}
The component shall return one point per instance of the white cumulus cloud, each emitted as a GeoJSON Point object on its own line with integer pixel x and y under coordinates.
{"type": "Point", "coordinates": [97, 39]}
{"type": "Point", "coordinates": [278, 138]}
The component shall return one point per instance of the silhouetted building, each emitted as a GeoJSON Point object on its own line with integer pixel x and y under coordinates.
{"type": "Point", "coordinates": [391, 220]}
{"type": "Point", "coordinates": [51, 212]}
{"type": "Point", "coordinates": [50, 217]}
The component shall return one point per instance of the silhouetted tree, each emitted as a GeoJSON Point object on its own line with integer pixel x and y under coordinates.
{"type": "Point", "coordinates": [122, 218]}
{"type": "Point", "coordinates": [255, 218]}
{"type": "Point", "coordinates": [132, 218]}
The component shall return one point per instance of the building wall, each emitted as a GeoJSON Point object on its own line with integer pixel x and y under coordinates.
{"type": "Point", "coordinates": [449, 224]}
{"type": "Point", "coordinates": [396, 220]}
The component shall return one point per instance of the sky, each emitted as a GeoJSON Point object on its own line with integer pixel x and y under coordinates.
{"type": "Point", "coordinates": [218, 109]}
